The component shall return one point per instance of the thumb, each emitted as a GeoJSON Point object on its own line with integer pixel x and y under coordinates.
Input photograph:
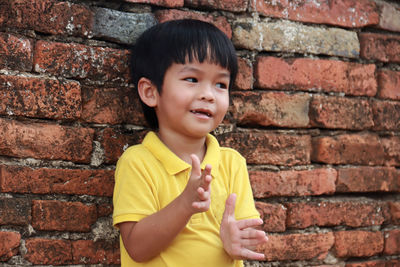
{"type": "Point", "coordinates": [230, 206]}
{"type": "Point", "coordinates": [196, 170]}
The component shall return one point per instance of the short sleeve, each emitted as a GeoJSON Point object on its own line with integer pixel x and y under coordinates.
{"type": "Point", "coordinates": [133, 197]}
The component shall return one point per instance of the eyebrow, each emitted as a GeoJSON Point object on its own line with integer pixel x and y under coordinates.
{"type": "Point", "coordinates": [194, 69]}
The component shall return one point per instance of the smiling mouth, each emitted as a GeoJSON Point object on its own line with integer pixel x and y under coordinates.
{"type": "Point", "coordinates": [202, 112]}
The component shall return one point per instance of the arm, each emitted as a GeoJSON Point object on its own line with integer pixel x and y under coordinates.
{"type": "Point", "coordinates": [238, 237]}
{"type": "Point", "coordinates": [169, 221]}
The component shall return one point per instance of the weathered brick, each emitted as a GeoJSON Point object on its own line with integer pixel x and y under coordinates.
{"type": "Point", "coordinates": [344, 13]}
{"type": "Point", "coordinates": [368, 179]}
{"type": "Point", "coordinates": [100, 252]}
{"type": "Point", "coordinates": [9, 244]}
{"type": "Point", "coordinates": [14, 211]}
{"type": "Point", "coordinates": [270, 109]}
{"type": "Point", "coordinates": [244, 78]}
{"type": "Point", "coordinates": [392, 242]}
{"type": "Point", "coordinates": [340, 113]}
{"type": "Point", "coordinates": [293, 183]}
{"type": "Point", "coordinates": [380, 47]}
{"type": "Point", "coordinates": [104, 210]}
{"type": "Point", "coordinates": [353, 214]}
{"type": "Point", "coordinates": [391, 146]}
{"type": "Point", "coordinates": [358, 243]}
{"type": "Point", "coordinates": [72, 60]}
{"type": "Point", "coordinates": [389, 17]}
{"type": "Point", "coordinates": [115, 142]}
{"type": "Point", "coordinates": [50, 16]}
{"type": "Point", "coordinates": [165, 3]}
{"type": "Point", "coordinates": [53, 215]}
{"type": "Point", "coordinates": [48, 251]}
{"type": "Point", "coordinates": [39, 97]}
{"type": "Point", "coordinates": [375, 263]}
{"type": "Point", "coordinates": [111, 106]}
{"type": "Point", "coordinates": [364, 149]}
{"type": "Point", "coordinates": [394, 211]}
{"type": "Point", "coordinates": [270, 148]}
{"type": "Point", "coordinates": [315, 75]}
{"type": "Point", "coordinates": [231, 5]}
{"type": "Point", "coordinates": [219, 21]}
{"type": "Point", "coordinates": [273, 215]}
{"type": "Point", "coordinates": [389, 84]}
{"type": "Point", "coordinates": [18, 179]}
{"type": "Point", "coordinates": [45, 141]}
{"type": "Point", "coordinates": [117, 26]}
{"type": "Point", "coordinates": [297, 246]}
{"type": "Point", "coordinates": [16, 52]}
{"type": "Point", "coordinates": [289, 36]}
{"type": "Point", "coordinates": [386, 115]}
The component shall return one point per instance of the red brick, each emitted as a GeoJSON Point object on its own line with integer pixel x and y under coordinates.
{"type": "Point", "coordinates": [45, 141]}
{"type": "Point", "coordinates": [358, 243]}
{"type": "Point", "coordinates": [9, 244]}
{"type": "Point", "coordinates": [165, 3]}
{"type": "Point", "coordinates": [297, 246]}
{"type": "Point", "coordinates": [380, 47]}
{"type": "Point", "coordinates": [270, 109]}
{"type": "Point", "coordinates": [270, 148]}
{"type": "Point", "coordinates": [394, 210]}
{"type": "Point", "coordinates": [368, 179]}
{"type": "Point", "coordinates": [15, 211]}
{"type": "Point", "coordinates": [391, 146]}
{"type": "Point", "coordinates": [229, 5]}
{"type": "Point", "coordinates": [16, 52]}
{"type": "Point", "coordinates": [389, 17]}
{"type": "Point", "coordinates": [48, 251]}
{"type": "Point", "coordinates": [50, 16]}
{"type": "Point", "coordinates": [364, 149]}
{"type": "Point", "coordinates": [219, 21]}
{"type": "Point", "coordinates": [293, 183]}
{"type": "Point", "coordinates": [375, 263]}
{"type": "Point", "coordinates": [389, 84]}
{"type": "Point", "coordinates": [115, 142]}
{"type": "Point", "coordinates": [39, 97]}
{"type": "Point", "coordinates": [386, 115]}
{"type": "Point", "coordinates": [345, 13]}
{"type": "Point", "coordinates": [392, 242]}
{"type": "Point", "coordinates": [273, 215]}
{"type": "Point", "coordinates": [82, 62]}
{"type": "Point", "coordinates": [353, 214]}
{"type": "Point", "coordinates": [104, 210]}
{"type": "Point", "coordinates": [340, 112]}
{"type": "Point", "coordinates": [17, 179]}
{"type": "Point", "coordinates": [244, 78]}
{"type": "Point", "coordinates": [111, 106]}
{"type": "Point", "coordinates": [52, 215]}
{"type": "Point", "coordinates": [100, 252]}
{"type": "Point", "coordinates": [312, 74]}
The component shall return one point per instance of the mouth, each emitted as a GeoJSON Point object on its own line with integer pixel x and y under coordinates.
{"type": "Point", "coordinates": [203, 112]}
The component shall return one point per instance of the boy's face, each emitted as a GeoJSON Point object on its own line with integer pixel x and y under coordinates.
{"type": "Point", "coordinates": [194, 98]}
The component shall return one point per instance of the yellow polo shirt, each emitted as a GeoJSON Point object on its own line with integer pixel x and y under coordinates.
{"type": "Point", "coordinates": [149, 176]}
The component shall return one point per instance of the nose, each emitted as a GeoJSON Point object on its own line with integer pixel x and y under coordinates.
{"type": "Point", "coordinates": [207, 93]}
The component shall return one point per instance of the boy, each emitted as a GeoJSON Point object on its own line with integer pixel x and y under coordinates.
{"type": "Point", "coordinates": [170, 191]}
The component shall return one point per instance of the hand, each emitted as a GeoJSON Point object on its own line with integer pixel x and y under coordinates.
{"type": "Point", "coordinates": [238, 237]}
{"type": "Point", "coordinates": [197, 193]}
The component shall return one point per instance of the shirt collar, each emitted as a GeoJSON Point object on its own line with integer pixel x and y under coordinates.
{"type": "Point", "coordinates": [173, 164]}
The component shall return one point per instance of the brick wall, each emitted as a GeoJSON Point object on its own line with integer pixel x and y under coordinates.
{"type": "Point", "coordinates": [315, 110]}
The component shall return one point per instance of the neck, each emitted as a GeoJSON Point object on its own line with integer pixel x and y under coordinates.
{"type": "Point", "coordinates": [183, 146]}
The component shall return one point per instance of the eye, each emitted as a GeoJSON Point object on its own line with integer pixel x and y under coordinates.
{"type": "Point", "coordinates": [191, 80]}
{"type": "Point", "coordinates": [222, 85]}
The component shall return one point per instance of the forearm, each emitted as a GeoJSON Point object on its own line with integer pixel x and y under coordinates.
{"type": "Point", "coordinates": [148, 237]}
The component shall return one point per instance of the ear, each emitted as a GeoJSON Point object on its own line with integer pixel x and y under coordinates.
{"type": "Point", "coordinates": [148, 92]}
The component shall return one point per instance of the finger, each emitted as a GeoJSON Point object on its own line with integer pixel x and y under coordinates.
{"type": "Point", "coordinates": [229, 206]}
{"type": "Point", "coordinates": [251, 255]}
{"type": "Point", "coordinates": [206, 177]}
{"type": "Point", "coordinates": [253, 234]}
{"type": "Point", "coordinates": [243, 224]}
{"type": "Point", "coordinates": [203, 195]}
{"type": "Point", "coordinates": [196, 170]}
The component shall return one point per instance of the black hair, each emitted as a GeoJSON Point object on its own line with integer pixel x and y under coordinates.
{"type": "Point", "coordinates": [179, 41]}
